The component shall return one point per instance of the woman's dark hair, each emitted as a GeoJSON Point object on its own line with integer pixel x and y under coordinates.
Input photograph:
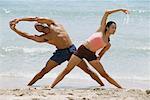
{"type": "Point", "coordinates": [109, 24]}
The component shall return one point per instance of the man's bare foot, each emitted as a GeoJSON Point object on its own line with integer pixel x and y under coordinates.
{"type": "Point", "coordinates": [32, 88]}
{"type": "Point", "coordinates": [29, 84]}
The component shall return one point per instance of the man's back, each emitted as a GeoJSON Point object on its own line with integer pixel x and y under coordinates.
{"type": "Point", "coordinates": [58, 36]}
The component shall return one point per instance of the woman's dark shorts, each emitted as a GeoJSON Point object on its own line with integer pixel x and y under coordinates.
{"type": "Point", "coordinates": [83, 52]}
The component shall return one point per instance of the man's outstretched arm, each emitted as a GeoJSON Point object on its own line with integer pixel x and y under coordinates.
{"type": "Point", "coordinates": [26, 35]}
{"type": "Point", "coordinates": [38, 19]}
{"type": "Point", "coordinates": [45, 21]}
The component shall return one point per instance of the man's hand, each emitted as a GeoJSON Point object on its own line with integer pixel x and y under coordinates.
{"type": "Point", "coordinates": [15, 21]}
{"type": "Point", "coordinates": [12, 24]}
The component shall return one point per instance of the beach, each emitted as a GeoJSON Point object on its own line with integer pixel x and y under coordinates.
{"type": "Point", "coordinates": [74, 94]}
{"type": "Point", "coordinates": [72, 89]}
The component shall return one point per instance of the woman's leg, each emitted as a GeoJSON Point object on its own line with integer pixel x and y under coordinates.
{"type": "Point", "coordinates": [74, 60]}
{"type": "Point", "coordinates": [98, 66]}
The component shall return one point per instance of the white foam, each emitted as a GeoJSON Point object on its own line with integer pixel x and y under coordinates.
{"type": "Point", "coordinates": [72, 76]}
{"type": "Point", "coordinates": [134, 78]}
{"type": "Point", "coordinates": [143, 48]}
{"type": "Point", "coordinates": [33, 50]}
{"type": "Point", "coordinates": [6, 10]}
{"type": "Point", "coordinates": [139, 11]}
{"type": "Point", "coordinates": [25, 49]}
{"type": "Point", "coordinates": [126, 19]}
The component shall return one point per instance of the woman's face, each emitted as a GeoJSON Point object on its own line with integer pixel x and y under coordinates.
{"type": "Point", "coordinates": [112, 28]}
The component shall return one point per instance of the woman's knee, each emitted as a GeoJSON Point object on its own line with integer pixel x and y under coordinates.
{"type": "Point", "coordinates": [88, 71]}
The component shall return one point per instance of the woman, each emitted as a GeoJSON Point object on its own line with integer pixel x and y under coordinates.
{"type": "Point", "coordinates": [87, 50]}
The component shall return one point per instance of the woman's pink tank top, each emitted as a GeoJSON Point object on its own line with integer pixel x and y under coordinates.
{"type": "Point", "coordinates": [96, 41]}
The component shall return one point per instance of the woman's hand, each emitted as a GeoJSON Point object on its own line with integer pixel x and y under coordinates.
{"type": "Point", "coordinates": [107, 12]}
{"type": "Point", "coordinates": [125, 11]}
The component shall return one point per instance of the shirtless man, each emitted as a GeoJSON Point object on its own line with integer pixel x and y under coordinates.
{"type": "Point", "coordinates": [54, 34]}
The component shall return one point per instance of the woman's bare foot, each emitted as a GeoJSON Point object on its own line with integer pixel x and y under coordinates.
{"type": "Point", "coordinates": [47, 87]}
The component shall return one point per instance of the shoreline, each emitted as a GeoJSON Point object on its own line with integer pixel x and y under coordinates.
{"type": "Point", "coordinates": [19, 82]}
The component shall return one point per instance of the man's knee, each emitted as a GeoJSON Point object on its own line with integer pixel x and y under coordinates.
{"type": "Point", "coordinates": [40, 75]}
{"type": "Point", "coordinates": [66, 71]}
{"type": "Point", "coordinates": [45, 70]}
{"type": "Point", "coordinates": [48, 67]}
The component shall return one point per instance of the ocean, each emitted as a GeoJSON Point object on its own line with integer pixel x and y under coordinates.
{"type": "Point", "coordinates": [127, 59]}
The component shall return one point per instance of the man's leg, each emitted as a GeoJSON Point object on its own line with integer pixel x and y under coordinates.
{"type": "Point", "coordinates": [86, 69]}
{"type": "Point", "coordinates": [49, 66]}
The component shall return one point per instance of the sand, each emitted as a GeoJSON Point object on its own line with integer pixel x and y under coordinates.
{"type": "Point", "coordinates": [93, 93]}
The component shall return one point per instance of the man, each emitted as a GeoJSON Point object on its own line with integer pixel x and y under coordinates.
{"type": "Point", "coordinates": [54, 34]}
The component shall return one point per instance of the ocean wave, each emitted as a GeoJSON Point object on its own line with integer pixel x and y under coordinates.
{"type": "Point", "coordinates": [15, 75]}
{"type": "Point", "coordinates": [126, 19]}
{"type": "Point", "coordinates": [13, 49]}
{"type": "Point", "coordinates": [138, 78]}
{"type": "Point", "coordinates": [139, 11]}
{"type": "Point", "coordinates": [73, 76]}
{"type": "Point", "coordinates": [6, 10]}
{"type": "Point", "coordinates": [24, 74]}
{"type": "Point", "coordinates": [142, 48]}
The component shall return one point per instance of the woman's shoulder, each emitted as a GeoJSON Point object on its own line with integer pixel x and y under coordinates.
{"type": "Point", "coordinates": [99, 33]}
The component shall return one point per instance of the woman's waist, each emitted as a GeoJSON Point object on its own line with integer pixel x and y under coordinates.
{"type": "Point", "coordinates": [87, 46]}
{"type": "Point", "coordinates": [92, 47]}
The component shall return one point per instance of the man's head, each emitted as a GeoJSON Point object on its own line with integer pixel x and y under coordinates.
{"type": "Point", "coordinates": [111, 27]}
{"type": "Point", "coordinates": [41, 28]}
